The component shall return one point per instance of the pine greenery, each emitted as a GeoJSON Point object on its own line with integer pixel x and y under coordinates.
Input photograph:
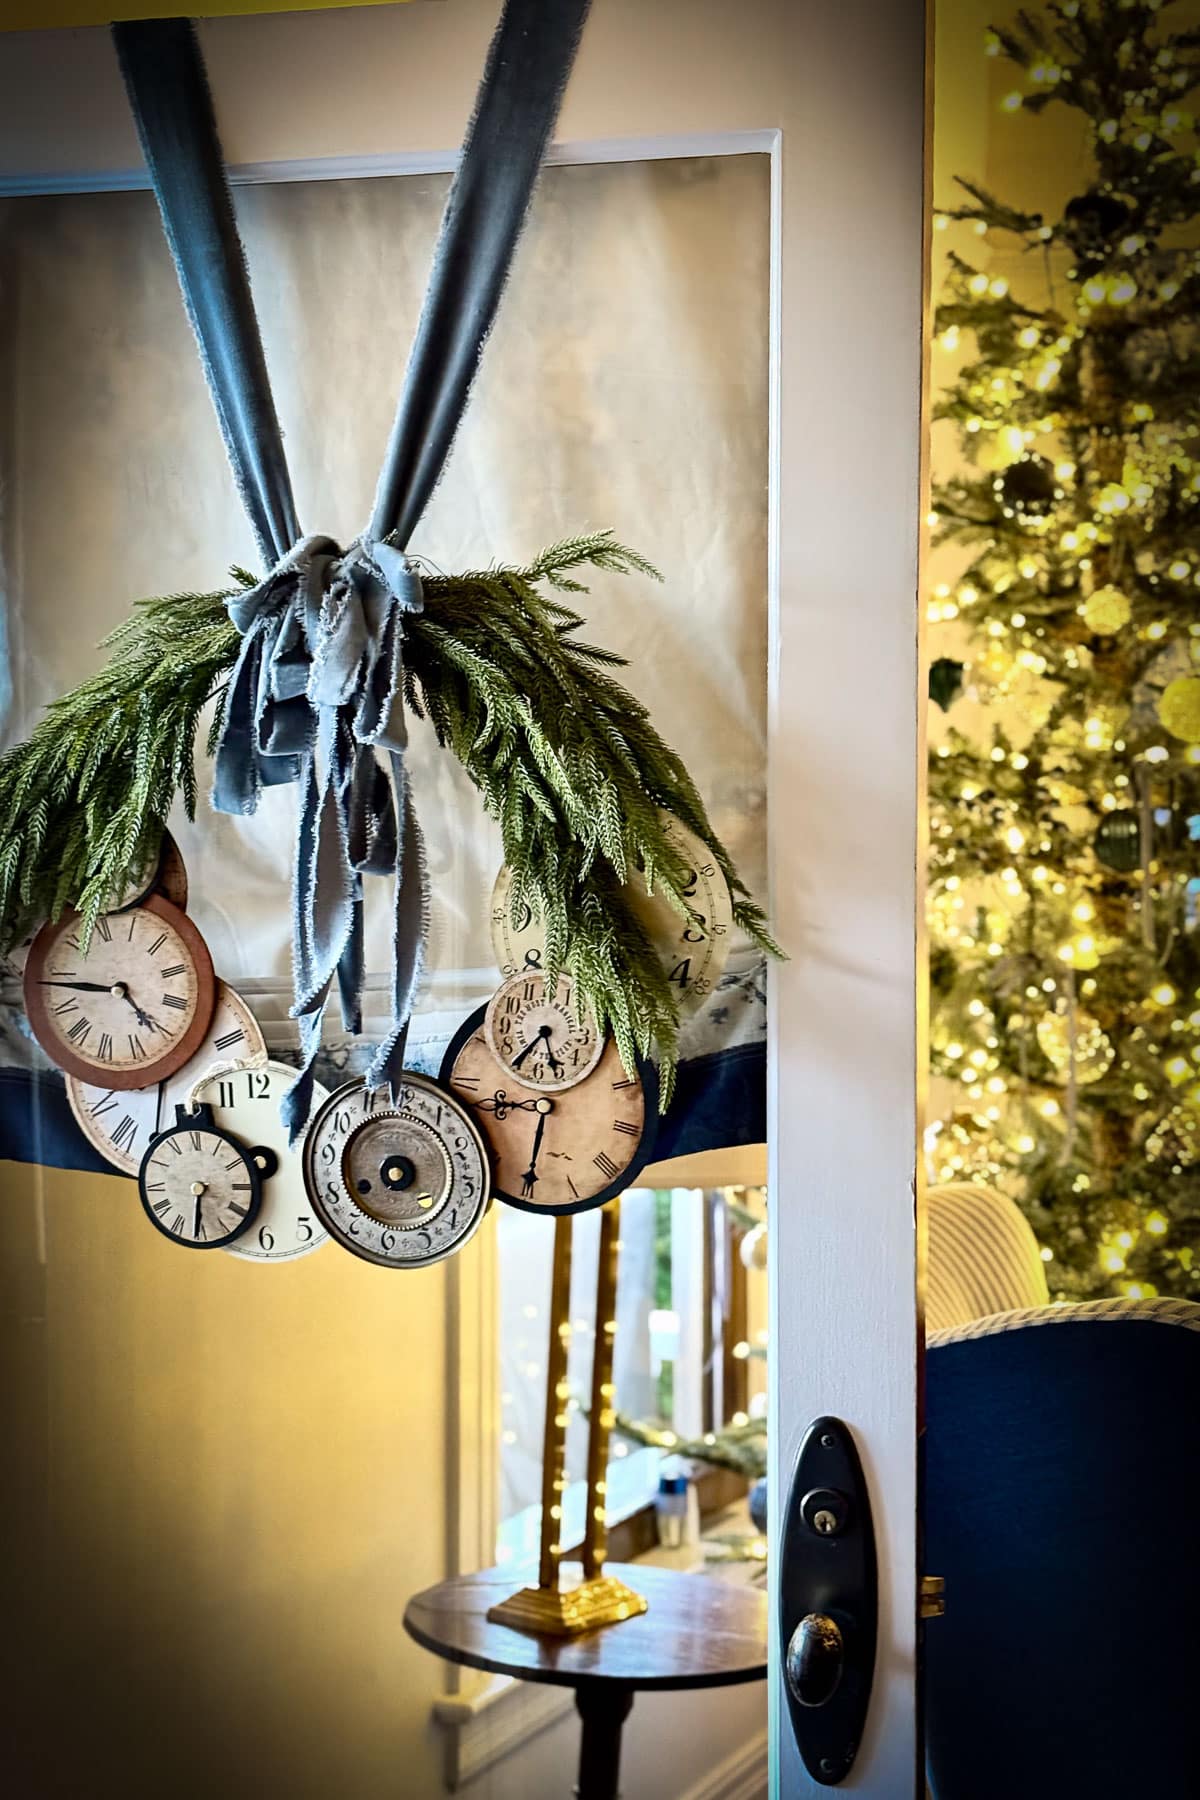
{"type": "Point", "coordinates": [563, 757]}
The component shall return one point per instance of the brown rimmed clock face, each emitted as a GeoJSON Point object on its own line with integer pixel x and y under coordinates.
{"type": "Point", "coordinates": [559, 1152]}
{"type": "Point", "coordinates": [133, 1008]}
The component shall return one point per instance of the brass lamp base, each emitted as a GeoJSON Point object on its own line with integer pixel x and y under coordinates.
{"type": "Point", "coordinates": [552, 1612]}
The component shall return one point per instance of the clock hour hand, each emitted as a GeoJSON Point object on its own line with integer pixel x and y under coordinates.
{"type": "Point", "coordinates": [143, 1018]}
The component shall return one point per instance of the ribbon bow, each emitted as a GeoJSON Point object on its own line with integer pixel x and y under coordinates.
{"type": "Point", "coordinates": [315, 693]}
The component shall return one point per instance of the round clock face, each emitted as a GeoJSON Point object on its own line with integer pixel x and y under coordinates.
{"type": "Point", "coordinates": [245, 1103]}
{"type": "Point", "coordinates": [199, 1186]}
{"type": "Point", "coordinates": [518, 941]}
{"type": "Point", "coordinates": [401, 1184]}
{"type": "Point", "coordinates": [554, 1152]}
{"type": "Point", "coordinates": [135, 1007]}
{"type": "Point", "coordinates": [172, 881]}
{"type": "Point", "coordinates": [549, 1041]}
{"type": "Point", "coordinates": [119, 1123]}
{"type": "Point", "coordinates": [692, 951]}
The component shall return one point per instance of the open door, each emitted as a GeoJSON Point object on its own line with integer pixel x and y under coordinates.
{"type": "Point", "coordinates": [832, 102]}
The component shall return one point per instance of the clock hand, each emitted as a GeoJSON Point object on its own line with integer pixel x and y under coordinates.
{"type": "Point", "coordinates": [530, 1176]}
{"type": "Point", "coordinates": [532, 1045]}
{"type": "Point", "coordinates": [81, 987]}
{"type": "Point", "coordinates": [143, 1018]}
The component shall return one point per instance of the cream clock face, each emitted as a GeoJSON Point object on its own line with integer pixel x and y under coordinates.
{"type": "Point", "coordinates": [400, 1183]}
{"type": "Point", "coordinates": [692, 950]}
{"type": "Point", "coordinates": [548, 1040]}
{"type": "Point", "coordinates": [199, 1187]}
{"type": "Point", "coordinates": [554, 1152]}
{"type": "Point", "coordinates": [245, 1103]}
{"type": "Point", "coordinates": [518, 941]}
{"type": "Point", "coordinates": [119, 1123]}
{"type": "Point", "coordinates": [131, 1009]}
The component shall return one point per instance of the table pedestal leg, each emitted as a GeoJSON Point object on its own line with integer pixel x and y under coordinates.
{"type": "Point", "coordinates": [604, 1707]}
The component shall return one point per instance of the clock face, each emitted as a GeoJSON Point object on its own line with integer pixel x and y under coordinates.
{"type": "Point", "coordinates": [135, 1007]}
{"type": "Point", "coordinates": [518, 941]}
{"type": "Point", "coordinates": [554, 1152]}
{"type": "Point", "coordinates": [401, 1184]}
{"type": "Point", "coordinates": [198, 1185]}
{"type": "Point", "coordinates": [692, 950]}
{"type": "Point", "coordinates": [119, 1122]}
{"type": "Point", "coordinates": [245, 1103]}
{"type": "Point", "coordinates": [549, 1041]}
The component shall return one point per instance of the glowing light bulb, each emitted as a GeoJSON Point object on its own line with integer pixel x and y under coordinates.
{"type": "Point", "coordinates": [1163, 994]}
{"type": "Point", "coordinates": [1156, 1224]}
{"type": "Point", "coordinates": [1014, 837]}
{"type": "Point", "coordinates": [1012, 103]}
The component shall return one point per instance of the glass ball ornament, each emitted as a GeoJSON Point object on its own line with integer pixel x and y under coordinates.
{"type": "Point", "coordinates": [1106, 611]}
{"type": "Point", "coordinates": [1092, 221]}
{"type": "Point", "coordinates": [1028, 489]}
{"type": "Point", "coordinates": [1179, 708]}
{"type": "Point", "coordinates": [1093, 1049]}
{"type": "Point", "coordinates": [753, 1248]}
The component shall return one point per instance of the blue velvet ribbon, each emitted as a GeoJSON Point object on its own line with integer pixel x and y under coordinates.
{"type": "Point", "coordinates": [316, 694]}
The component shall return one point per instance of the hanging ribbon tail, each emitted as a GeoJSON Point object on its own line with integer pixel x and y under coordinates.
{"type": "Point", "coordinates": [410, 921]}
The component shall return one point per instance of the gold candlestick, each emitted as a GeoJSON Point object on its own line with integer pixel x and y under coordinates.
{"type": "Point", "coordinates": [593, 1599]}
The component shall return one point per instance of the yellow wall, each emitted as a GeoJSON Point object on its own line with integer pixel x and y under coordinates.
{"type": "Point", "coordinates": [220, 1484]}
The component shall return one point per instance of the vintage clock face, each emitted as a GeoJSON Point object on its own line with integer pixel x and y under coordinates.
{"type": "Point", "coordinates": [199, 1186]}
{"type": "Point", "coordinates": [245, 1103]}
{"type": "Point", "coordinates": [518, 941]}
{"type": "Point", "coordinates": [132, 1010]}
{"type": "Point", "coordinates": [548, 1040]}
{"type": "Point", "coordinates": [692, 951]}
{"type": "Point", "coordinates": [401, 1184]}
{"type": "Point", "coordinates": [554, 1152]}
{"type": "Point", "coordinates": [121, 1122]}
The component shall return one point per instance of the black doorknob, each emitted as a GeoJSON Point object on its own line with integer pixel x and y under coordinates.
{"type": "Point", "coordinates": [816, 1657]}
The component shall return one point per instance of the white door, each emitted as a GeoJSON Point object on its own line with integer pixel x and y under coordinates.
{"type": "Point", "coordinates": [835, 97]}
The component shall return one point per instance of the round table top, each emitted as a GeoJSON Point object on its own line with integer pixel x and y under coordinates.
{"type": "Point", "coordinates": [698, 1632]}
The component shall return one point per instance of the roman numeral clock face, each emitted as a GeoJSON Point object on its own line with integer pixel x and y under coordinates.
{"type": "Point", "coordinates": [131, 1008]}
{"type": "Point", "coordinates": [563, 1150]}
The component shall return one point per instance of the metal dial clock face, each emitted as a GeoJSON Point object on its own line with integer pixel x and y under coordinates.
{"type": "Point", "coordinates": [401, 1184]}
{"type": "Point", "coordinates": [119, 1123]}
{"type": "Point", "coordinates": [135, 1007]}
{"type": "Point", "coordinates": [555, 1152]}
{"type": "Point", "coordinates": [549, 1041]}
{"type": "Point", "coordinates": [518, 941]}
{"type": "Point", "coordinates": [693, 950]}
{"type": "Point", "coordinates": [199, 1186]}
{"type": "Point", "coordinates": [245, 1103]}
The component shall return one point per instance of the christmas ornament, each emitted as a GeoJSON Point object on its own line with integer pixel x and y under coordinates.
{"type": "Point", "coordinates": [402, 1183]}
{"type": "Point", "coordinates": [133, 1005]}
{"type": "Point", "coordinates": [1117, 842]}
{"type": "Point", "coordinates": [198, 1185]}
{"type": "Point", "coordinates": [945, 681]}
{"type": "Point", "coordinates": [119, 1123]}
{"type": "Point", "coordinates": [1106, 610]}
{"type": "Point", "coordinates": [244, 1102]}
{"type": "Point", "coordinates": [1175, 1139]}
{"type": "Point", "coordinates": [562, 1152]}
{"type": "Point", "coordinates": [753, 1248]}
{"type": "Point", "coordinates": [540, 1034]}
{"type": "Point", "coordinates": [1027, 489]}
{"type": "Point", "coordinates": [1093, 1051]}
{"type": "Point", "coordinates": [1091, 221]}
{"type": "Point", "coordinates": [1179, 708]}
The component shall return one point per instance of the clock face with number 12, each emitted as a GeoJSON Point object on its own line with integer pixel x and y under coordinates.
{"type": "Point", "coordinates": [245, 1103]}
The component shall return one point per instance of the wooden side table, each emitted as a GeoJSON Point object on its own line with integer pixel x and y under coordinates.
{"type": "Point", "coordinates": [698, 1632]}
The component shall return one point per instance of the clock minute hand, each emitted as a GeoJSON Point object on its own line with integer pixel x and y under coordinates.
{"type": "Point", "coordinates": [81, 987]}
{"type": "Point", "coordinates": [543, 1034]}
{"type": "Point", "coordinates": [530, 1176]}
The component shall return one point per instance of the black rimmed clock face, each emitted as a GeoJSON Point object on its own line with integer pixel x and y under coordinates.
{"type": "Point", "coordinates": [199, 1186]}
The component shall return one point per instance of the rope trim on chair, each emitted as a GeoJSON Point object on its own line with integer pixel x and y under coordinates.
{"type": "Point", "coordinates": [1185, 1313]}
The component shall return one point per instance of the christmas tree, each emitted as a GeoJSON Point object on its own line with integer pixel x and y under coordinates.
{"type": "Point", "coordinates": [1064, 873]}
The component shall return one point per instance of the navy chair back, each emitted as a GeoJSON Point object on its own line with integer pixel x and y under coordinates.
{"type": "Point", "coordinates": [1062, 1476]}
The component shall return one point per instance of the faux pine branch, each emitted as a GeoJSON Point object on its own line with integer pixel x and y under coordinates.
{"type": "Point", "coordinates": [563, 757]}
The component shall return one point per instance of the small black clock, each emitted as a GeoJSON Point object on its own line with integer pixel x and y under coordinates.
{"type": "Point", "coordinates": [199, 1186]}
